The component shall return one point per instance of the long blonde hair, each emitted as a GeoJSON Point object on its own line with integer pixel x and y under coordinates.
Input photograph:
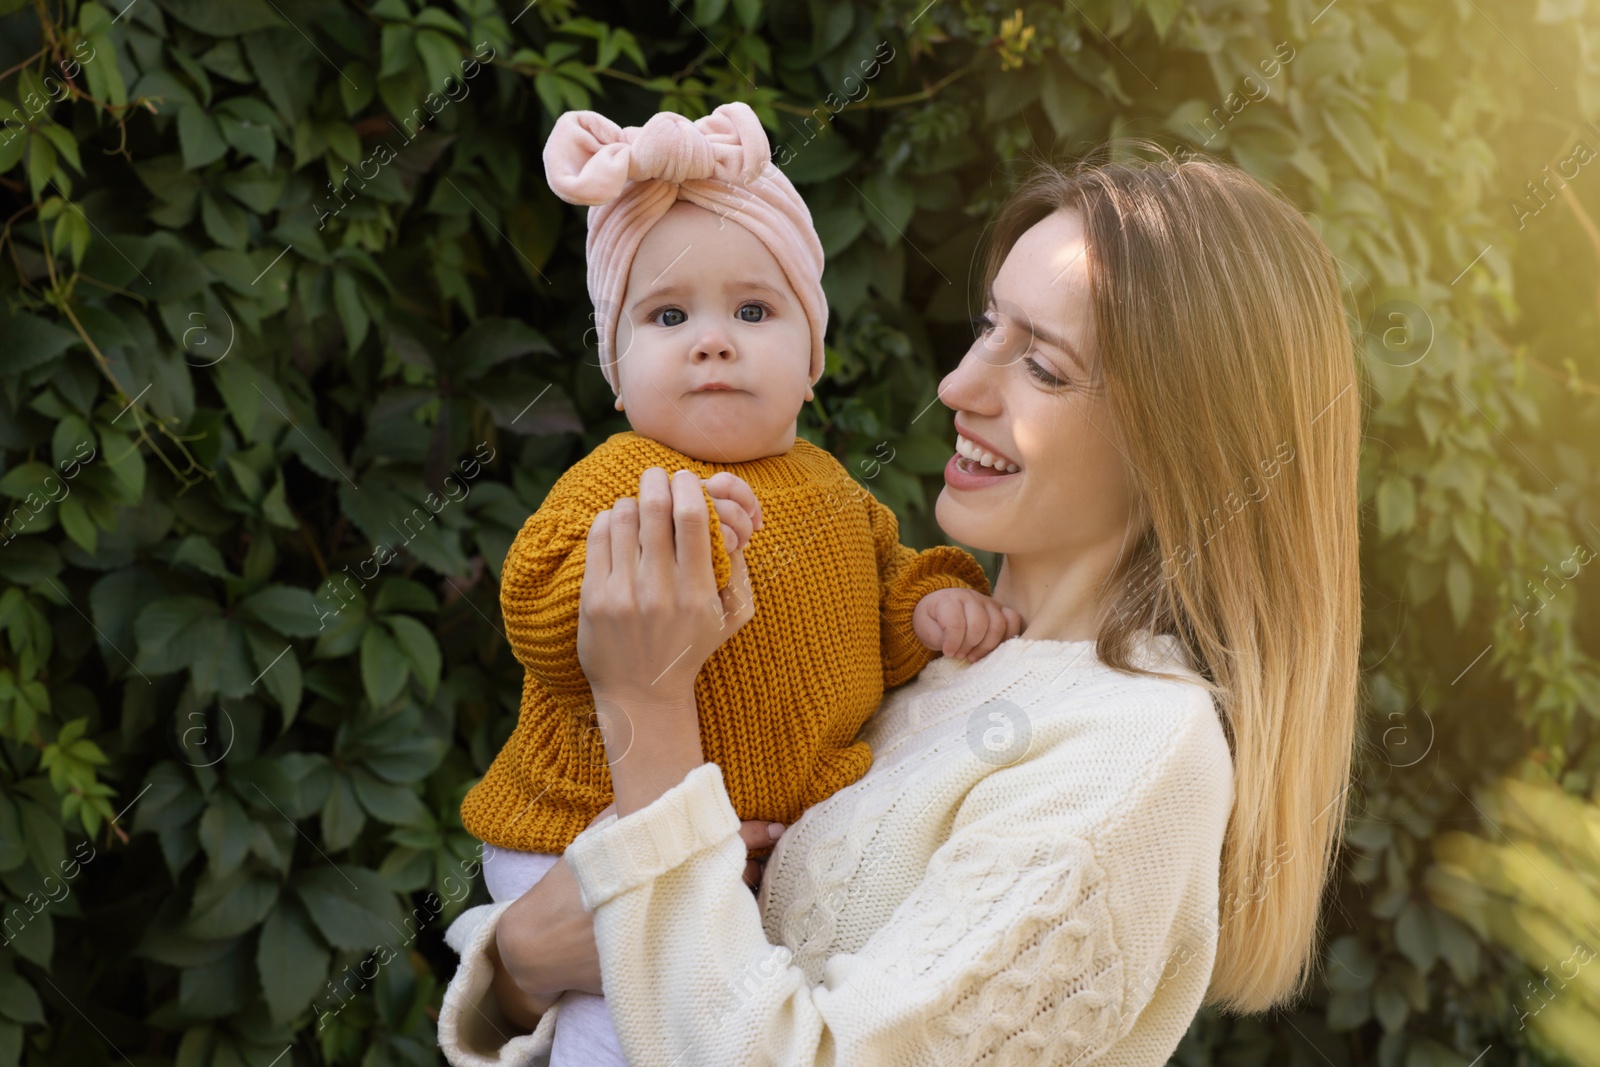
{"type": "Point", "coordinates": [1230, 372]}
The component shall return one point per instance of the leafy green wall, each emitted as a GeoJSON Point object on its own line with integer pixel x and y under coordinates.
{"type": "Point", "coordinates": [295, 337]}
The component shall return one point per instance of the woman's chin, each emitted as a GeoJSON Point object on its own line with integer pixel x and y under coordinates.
{"type": "Point", "coordinates": [965, 522]}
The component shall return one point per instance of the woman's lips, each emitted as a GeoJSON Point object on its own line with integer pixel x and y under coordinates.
{"type": "Point", "coordinates": [962, 473]}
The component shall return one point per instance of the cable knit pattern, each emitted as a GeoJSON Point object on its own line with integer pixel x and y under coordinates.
{"type": "Point", "coordinates": [947, 908]}
{"type": "Point", "coordinates": [780, 702]}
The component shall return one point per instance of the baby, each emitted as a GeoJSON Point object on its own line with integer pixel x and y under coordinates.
{"type": "Point", "coordinates": [705, 272]}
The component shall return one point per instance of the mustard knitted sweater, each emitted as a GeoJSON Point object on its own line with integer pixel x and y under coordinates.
{"type": "Point", "coordinates": [780, 702]}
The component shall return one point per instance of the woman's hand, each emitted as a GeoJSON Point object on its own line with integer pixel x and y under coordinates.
{"type": "Point", "coordinates": [649, 613]}
{"type": "Point", "coordinates": [544, 942]}
{"type": "Point", "coordinates": [649, 616]}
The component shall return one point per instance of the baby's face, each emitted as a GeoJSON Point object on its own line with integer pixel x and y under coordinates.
{"type": "Point", "coordinates": [707, 305]}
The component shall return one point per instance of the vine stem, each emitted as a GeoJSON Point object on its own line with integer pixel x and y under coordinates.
{"type": "Point", "coordinates": [63, 300]}
{"type": "Point", "coordinates": [865, 104]}
{"type": "Point", "coordinates": [19, 66]}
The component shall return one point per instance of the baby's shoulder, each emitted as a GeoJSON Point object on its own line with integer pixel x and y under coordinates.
{"type": "Point", "coordinates": [610, 470]}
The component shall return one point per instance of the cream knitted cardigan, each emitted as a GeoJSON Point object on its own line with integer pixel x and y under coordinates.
{"type": "Point", "coordinates": [1028, 874]}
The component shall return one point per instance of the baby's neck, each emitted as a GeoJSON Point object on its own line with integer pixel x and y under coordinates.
{"type": "Point", "coordinates": [708, 451]}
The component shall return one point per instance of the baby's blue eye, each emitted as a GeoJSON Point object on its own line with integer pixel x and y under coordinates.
{"type": "Point", "coordinates": [671, 311]}
{"type": "Point", "coordinates": [758, 307]}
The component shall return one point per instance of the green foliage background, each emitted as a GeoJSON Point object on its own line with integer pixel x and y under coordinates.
{"type": "Point", "coordinates": [241, 698]}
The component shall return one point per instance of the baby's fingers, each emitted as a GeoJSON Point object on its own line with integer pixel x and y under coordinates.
{"type": "Point", "coordinates": [734, 515]}
{"type": "Point", "coordinates": [977, 624]}
{"type": "Point", "coordinates": [953, 620]}
{"type": "Point", "coordinates": [995, 631]}
{"type": "Point", "coordinates": [1013, 621]}
{"type": "Point", "coordinates": [726, 485]}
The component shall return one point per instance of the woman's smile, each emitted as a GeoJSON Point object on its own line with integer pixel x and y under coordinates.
{"type": "Point", "coordinates": [964, 473]}
{"type": "Point", "coordinates": [977, 464]}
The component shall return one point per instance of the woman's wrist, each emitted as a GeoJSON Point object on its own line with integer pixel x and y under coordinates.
{"type": "Point", "coordinates": [663, 723]}
{"type": "Point", "coordinates": [520, 1007]}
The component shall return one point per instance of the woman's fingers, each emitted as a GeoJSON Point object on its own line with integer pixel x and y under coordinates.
{"type": "Point", "coordinates": [691, 526]}
{"type": "Point", "coordinates": [655, 515]}
{"type": "Point", "coordinates": [597, 560]}
{"type": "Point", "coordinates": [624, 540]}
{"type": "Point", "coordinates": [757, 834]}
{"type": "Point", "coordinates": [752, 872]}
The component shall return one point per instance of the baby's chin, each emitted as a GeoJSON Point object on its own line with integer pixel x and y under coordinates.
{"type": "Point", "coordinates": [721, 429]}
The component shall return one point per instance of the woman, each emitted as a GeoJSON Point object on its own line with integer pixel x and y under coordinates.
{"type": "Point", "coordinates": [1062, 850]}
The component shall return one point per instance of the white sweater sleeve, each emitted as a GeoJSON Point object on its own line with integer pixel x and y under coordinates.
{"type": "Point", "coordinates": [1012, 947]}
{"type": "Point", "coordinates": [473, 1032]}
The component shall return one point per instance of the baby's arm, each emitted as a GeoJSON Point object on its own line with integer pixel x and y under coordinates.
{"type": "Point", "coordinates": [539, 587]}
{"type": "Point", "coordinates": [963, 623]}
{"type": "Point", "coordinates": [905, 577]}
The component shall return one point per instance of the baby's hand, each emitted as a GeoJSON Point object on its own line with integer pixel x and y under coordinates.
{"type": "Point", "coordinates": [963, 623]}
{"type": "Point", "coordinates": [736, 506]}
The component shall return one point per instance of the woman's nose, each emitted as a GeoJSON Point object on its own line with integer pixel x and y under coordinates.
{"type": "Point", "coordinates": [969, 386]}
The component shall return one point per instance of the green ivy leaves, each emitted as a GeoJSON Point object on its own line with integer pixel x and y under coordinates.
{"type": "Point", "coordinates": [284, 266]}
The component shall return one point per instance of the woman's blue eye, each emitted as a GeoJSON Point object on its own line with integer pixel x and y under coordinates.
{"type": "Point", "coordinates": [758, 307]}
{"type": "Point", "coordinates": [664, 312]}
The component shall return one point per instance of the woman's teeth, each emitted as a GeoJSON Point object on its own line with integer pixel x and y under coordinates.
{"type": "Point", "coordinates": [982, 456]}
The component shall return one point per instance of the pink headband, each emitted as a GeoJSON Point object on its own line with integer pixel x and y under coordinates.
{"type": "Point", "coordinates": [631, 175]}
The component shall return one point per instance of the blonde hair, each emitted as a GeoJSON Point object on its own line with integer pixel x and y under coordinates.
{"type": "Point", "coordinates": [1226, 362]}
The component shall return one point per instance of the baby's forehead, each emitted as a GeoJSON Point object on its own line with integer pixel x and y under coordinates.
{"type": "Point", "coordinates": [698, 250]}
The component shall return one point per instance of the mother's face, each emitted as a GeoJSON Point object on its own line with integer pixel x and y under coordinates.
{"type": "Point", "coordinates": [1028, 390]}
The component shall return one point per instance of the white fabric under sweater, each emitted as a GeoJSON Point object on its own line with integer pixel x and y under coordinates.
{"type": "Point", "coordinates": [1026, 875]}
{"type": "Point", "coordinates": [584, 1035]}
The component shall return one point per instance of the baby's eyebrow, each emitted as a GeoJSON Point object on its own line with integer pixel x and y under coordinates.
{"type": "Point", "coordinates": [734, 286]}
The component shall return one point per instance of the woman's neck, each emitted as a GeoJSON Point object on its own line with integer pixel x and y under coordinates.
{"type": "Point", "coordinates": [1058, 595]}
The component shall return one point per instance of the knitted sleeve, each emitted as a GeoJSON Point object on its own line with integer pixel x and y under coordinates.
{"type": "Point", "coordinates": [905, 576]}
{"type": "Point", "coordinates": [539, 595]}
{"type": "Point", "coordinates": [1015, 946]}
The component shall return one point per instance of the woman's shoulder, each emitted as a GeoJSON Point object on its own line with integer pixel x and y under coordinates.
{"type": "Point", "coordinates": [1162, 719]}
{"type": "Point", "coordinates": [1111, 742]}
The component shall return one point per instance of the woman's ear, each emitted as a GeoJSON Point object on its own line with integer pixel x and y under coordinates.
{"type": "Point", "coordinates": [618, 404]}
{"type": "Point", "coordinates": [810, 395]}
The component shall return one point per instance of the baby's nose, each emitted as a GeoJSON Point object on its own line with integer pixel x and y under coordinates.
{"type": "Point", "coordinates": [708, 350]}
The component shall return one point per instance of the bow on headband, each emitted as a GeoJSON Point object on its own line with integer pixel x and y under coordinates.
{"type": "Point", "coordinates": [589, 158]}
{"type": "Point", "coordinates": [631, 176]}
